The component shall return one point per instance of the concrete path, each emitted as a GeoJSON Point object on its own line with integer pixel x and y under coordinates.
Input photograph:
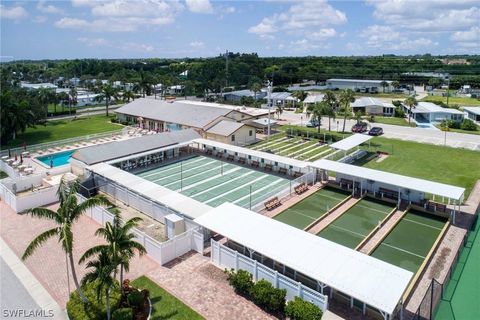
{"type": "Point", "coordinates": [21, 293]}
{"type": "Point", "coordinates": [322, 224]}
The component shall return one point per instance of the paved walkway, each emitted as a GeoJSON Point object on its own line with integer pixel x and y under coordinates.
{"type": "Point", "coordinates": [322, 224]}
{"type": "Point", "coordinates": [192, 279]}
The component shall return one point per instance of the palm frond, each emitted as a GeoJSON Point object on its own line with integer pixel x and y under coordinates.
{"type": "Point", "coordinates": [43, 213]}
{"type": "Point", "coordinates": [38, 241]}
{"type": "Point", "coordinates": [90, 203]}
{"type": "Point", "coordinates": [92, 251]}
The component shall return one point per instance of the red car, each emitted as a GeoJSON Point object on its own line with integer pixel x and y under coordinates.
{"type": "Point", "coordinates": [359, 127]}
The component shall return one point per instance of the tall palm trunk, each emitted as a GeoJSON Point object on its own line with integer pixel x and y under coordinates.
{"type": "Point", "coordinates": [121, 277]}
{"type": "Point", "coordinates": [106, 105]}
{"type": "Point", "coordinates": [75, 279]}
{"type": "Point", "coordinates": [107, 301]}
{"type": "Point", "coordinates": [329, 118]}
{"type": "Point", "coordinates": [344, 119]}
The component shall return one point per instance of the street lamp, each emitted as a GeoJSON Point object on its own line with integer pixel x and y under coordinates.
{"type": "Point", "coordinates": [270, 85]}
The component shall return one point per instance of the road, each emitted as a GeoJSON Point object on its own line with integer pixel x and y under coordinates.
{"type": "Point", "coordinates": [432, 136]}
{"type": "Point", "coordinates": [86, 112]}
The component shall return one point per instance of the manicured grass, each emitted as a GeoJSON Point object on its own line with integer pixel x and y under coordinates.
{"type": "Point", "coordinates": [454, 100]}
{"type": "Point", "coordinates": [3, 175]}
{"type": "Point", "coordinates": [392, 120]}
{"type": "Point", "coordinates": [64, 129]}
{"type": "Point", "coordinates": [382, 95]}
{"type": "Point", "coordinates": [165, 306]}
{"type": "Point", "coordinates": [461, 131]}
{"type": "Point", "coordinates": [454, 166]}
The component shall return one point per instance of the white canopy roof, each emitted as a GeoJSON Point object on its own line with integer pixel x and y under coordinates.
{"type": "Point", "coordinates": [439, 189]}
{"type": "Point", "coordinates": [351, 142]}
{"type": "Point", "coordinates": [376, 283]}
{"type": "Point", "coordinates": [182, 204]}
{"type": "Point", "coordinates": [253, 153]}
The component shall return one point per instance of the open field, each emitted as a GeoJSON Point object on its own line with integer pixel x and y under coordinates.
{"type": "Point", "coordinates": [409, 242]}
{"type": "Point", "coordinates": [312, 208]}
{"type": "Point", "coordinates": [393, 120]}
{"type": "Point", "coordinates": [356, 223]}
{"type": "Point", "coordinates": [164, 305]}
{"type": "Point", "coordinates": [454, 166]}
{"type": "Point", "coordinates": [64, 129]}
{"type": "Point", "coordinates": [463, 101]}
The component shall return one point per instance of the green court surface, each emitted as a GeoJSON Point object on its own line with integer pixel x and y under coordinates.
{"type": "Point", "coordinates": [214, 182]}
{"type": "Point", "coordinates": [461, 295]}
{"type": "Point", "coordinates": [357, 222]}
{"type": "Point", "coordinates": [409, 242]}
{"type": "Point", "coordinates": [311, 208]}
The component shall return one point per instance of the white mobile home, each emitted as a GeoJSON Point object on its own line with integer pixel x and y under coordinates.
{"type": "Point", "coordinates": [427, 112]}
{"type": "Point", "coordinates": [472, 113]}
{"type": "Point", "coordinates": [372, 106]}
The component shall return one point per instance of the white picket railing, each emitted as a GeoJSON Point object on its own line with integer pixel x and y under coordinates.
{"type": "Point", "coordinates": [231, 259]}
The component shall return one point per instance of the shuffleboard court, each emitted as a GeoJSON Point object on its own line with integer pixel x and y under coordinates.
{"type": "Point", "coordinates": [311, 208]}
{"type": "Point", "coordinates": [409, 242]}
{"type": "Point", "coordinates": [214, 182]}
{"type": "Point", "coordinates": [357, 222]}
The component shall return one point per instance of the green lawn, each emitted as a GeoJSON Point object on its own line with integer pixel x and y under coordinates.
{"type": "Point", "coordinates": [454, 166]}
{"type": "Point", "coordinates": [64, 129]}
{"type": "Point", "coordinates": [453, 100]}
{"type": "Point", "coordinates": [165, 306]}
{"type": "Point", "coordinates": [3, 175]}
{"type": "Point", "coordinates": [393, 120]}
{"type": "Point", "coordinates": [461, 131]}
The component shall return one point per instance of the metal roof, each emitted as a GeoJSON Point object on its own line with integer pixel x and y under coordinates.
{"type": "Point", "coordinates": [436, 188]}
{"type": "Point", "coordinates": [313, 98]}
{"type": "Point", "coordinates": [225, 128]}
{"type": "Point", "coordinates": [280, 95]}
{"type": "Point", "coordinates": [254, 112]}
{"type": "Point", "coordinates": [192, 115]}
{"type": "Point", "coordinates": [351, 142]}
{"type": "Point", "coordinates": [362, 102]}
{"type": "Point", "coordinates": [429, 107]}
{"type": "Point", "coordinates": [117, 149]}
{"type": "Point", "coordinates": [370, 280]}
{"type": "Point", "coordinates": [359, 80]}
{"type": "Point", "coordinates": [474, 110]}
{"type": "Point", "coordinates": [174, 200]}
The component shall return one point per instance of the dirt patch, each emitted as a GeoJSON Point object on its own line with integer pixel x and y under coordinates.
{"type": "Point", "coordinates": [381, 157]}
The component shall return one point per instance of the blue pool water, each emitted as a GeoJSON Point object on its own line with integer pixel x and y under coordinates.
{"type": "Point", "coordinates": [59, 159]}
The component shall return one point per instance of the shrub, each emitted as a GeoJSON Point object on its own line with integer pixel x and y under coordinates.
{"type": "Point", "coordinates": [267, 297]}
{"type": "Point", "coordinates": [399, 113]}
{"type": "Point", "coordinates": [241, 281]}
{"type": "Point", "coordinates": [135, 298]}
{"type": "Point", "coordinates": [299, 309]}
{"type": "Point", "coordinates": [123, 314]}
{"type": "Point", "coordinates": [451, 124]}
{"type": "Point", "coordinates": [468, 124]}
{"type": "Point", "coordinates": [95, 309]}
{"type": "Point", "coordinates": [397, 103]}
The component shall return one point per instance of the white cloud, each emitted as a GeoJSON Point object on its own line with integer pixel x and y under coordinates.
{"type": "Point", "coordinates": [137, 47]}
{"type": "Point", "coordinates": [301, 16]}
{"type": "Point", "coordinates": [197, 44]}
{"type": "Point", "coordinates": [388, 38]}
{"type": "Point", "coordinates": [40, 19]}
{"type": "Point", "coordinates": [95, 25]}
{"type": "Point", "coordinates": [13, 13]}
{"type": "Point", "coordinates": [94, 42]}
{"type": "Point", "coordinates": [473, 34]}
{"type": "Point", "coordinates": [199, 6]}
{"type": "Point", "coordinates": [322, 34]}
{"type": "Point", "coordinates": [42, 6]}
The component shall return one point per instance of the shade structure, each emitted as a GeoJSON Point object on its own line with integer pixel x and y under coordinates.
{"type": "Point", "coordinates": [372, 281]}
{"type": "Point", "coordinates": [426, 186]}
{"type": "Point", "coordinates": [351, 142]}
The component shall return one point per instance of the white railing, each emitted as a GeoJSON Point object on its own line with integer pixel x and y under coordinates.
{"type": "Point", "coordinates": [230, 259]}
{"type": "Point", "coordinates": [162, 252]}
{"type": "Point", "coordinates": [28, 200]}
{"type": "Point", "coordinates": [47, 145]}
{"type": "Point", "coordinates": [357, 154]}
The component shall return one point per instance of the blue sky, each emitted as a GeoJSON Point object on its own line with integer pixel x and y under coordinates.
{"type": "Point", "coordinates": [202, 28]}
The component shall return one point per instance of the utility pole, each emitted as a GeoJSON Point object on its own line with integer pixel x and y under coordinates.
{"type": "Point", "coordinates": [270, 85]}
{"type": "Point", "coordinates": [226, 68]}
{"type": "Point", "coordinates": [448, 88]}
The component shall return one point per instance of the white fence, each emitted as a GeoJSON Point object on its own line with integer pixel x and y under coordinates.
{"type": "Point", "coordinates": [230, 259]}
{"type": "Point", "coordinates": [162, 252]}
{"type": "Point", "coordinates": [28, 200]}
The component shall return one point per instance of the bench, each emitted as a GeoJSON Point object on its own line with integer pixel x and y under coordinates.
{"type": "Point", "coordinates": [268, 167]}
{"type": "Point", "coordinates": [301, 188]}
{"type": "Point", "coordinates": [282, 170]}
{"type": "Point", "coordinates": [387, 193]}
{"type": "Point", "coordinates": [297, 174]}
{"type": "Point", "coordinates": [219, 155]}
{"type": "Point", "coordinates": [255, 164]}
{"type": "Point", "coordinates": [209, 152]}
{"type": "Point", "coordinates": [272, 203]}
{"type": "Point", "coordinates": [230, 157]}
{"type": "Point", "coordinates": [241, 160]}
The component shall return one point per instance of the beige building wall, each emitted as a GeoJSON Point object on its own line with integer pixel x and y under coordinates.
{"type": "Point", "coordinates": [242, 136]}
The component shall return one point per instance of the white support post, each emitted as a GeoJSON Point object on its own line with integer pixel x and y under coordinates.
{"type": "Point", "coordinates": [364, 309]}
{"type": "Point", "coordinates": [351, 302]}
{"type": "Point", "coordinates": [255, 270]}
{"type": "Point", "coordinates": [236, 260]}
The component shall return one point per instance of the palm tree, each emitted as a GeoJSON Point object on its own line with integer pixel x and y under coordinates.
{"type": "Point", "coordinates": [108, 92]}
{"type": "Point", "coordinates": [120, 246]}
{"type": "Point", "coordinates": [317, 110]}
{"type": "Point", "coordinates": [44, 96]}
{"type": "Point", "coordinates": [67, 214]}
{"type": "Point", "coordinates": [72, 99]}
{"type": "Point", "coordinates": [346, 97]}
{"type": "Point", "coordinates": [127, 95]}
{"type": "Point", "coordinates": [279, 111]}
{"type": "Point", "coordinates": [411, 102]}
{"type": "Point", "coordinates": [384, 84]}
{"type": "Point", "coordinates": [256, 87]}
{"type": "Point", "coordinates": [395, 84]}
{"type": "Point", "coordinates": [330, 104]}
{"type": "Point", "coordinates": [101, 273]}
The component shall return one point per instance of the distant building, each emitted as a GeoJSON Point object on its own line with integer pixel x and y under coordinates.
{"type": "Point", "coordinates": [37, 86]}
{"type": "Point", "coordinates": [472, 113]}
{"type": "Point", "coordinates": [236, 96]}
{"type": "Point", "coordinates": [359, 85]}
{"type": "Point", "coordinates": [312, 99]}
{"type": "Point", "coordinates": [88, 99]}
{"type": "Point", "coordinates": [439, 75]}
{"type": "Point", "coordinates": [373, 106]}
{"type": "Point", "coordinates": [280, 98]}
{"type": "Point", "coordinates": [74, 81]}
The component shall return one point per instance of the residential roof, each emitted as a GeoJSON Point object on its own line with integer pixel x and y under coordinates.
{"type": "Point", "coordinates": [225, 128]}
{"type": "Point", "coordinates": [36, 86]}
{"type": "Point", "coordinates": [439, 189]}
{"type": "Point", "coordinates": [351, 142]}
{"type": "Point", "coordinates": [370, 280]}
{"type": "Point", "coordinates": [429, 107]}
{"type": "Point", "coordinates": [280, 95]}
{"type": "Point", "coordinates": [171, 199]}
{"type": "Point", "coordinates": [188, 114]}
{"type": "Point", "coordinates": [241, 93]}
{"type": "Point", "coordinates": [254, 112]}
{"type": "Point", "coordinates": [359, 80]}
{"type": "Point", "coordinates": [254, 153]}
{"type": "Point", "coordinates": [118, 149]}
{"type": "Point", "coordinates": [313, 98]}
{"type": "Point", "coordinates": [362, 102]}
{"type": "Point", "coordinates": [474, 110]}
{"type": "Point", "coordinates": [263, 122]}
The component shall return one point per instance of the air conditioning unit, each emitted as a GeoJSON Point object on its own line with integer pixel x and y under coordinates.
{"type": "Point", "coordinates": [175, 225]}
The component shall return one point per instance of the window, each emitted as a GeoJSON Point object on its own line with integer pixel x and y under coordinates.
{"type": "Point", "coordinates": [250, 133]}
{"type": "Point", "coordinates": [233, 137]}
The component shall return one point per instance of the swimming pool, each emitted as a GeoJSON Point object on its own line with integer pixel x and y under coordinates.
{"type": "Point", "coordinates": [59, 159]}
